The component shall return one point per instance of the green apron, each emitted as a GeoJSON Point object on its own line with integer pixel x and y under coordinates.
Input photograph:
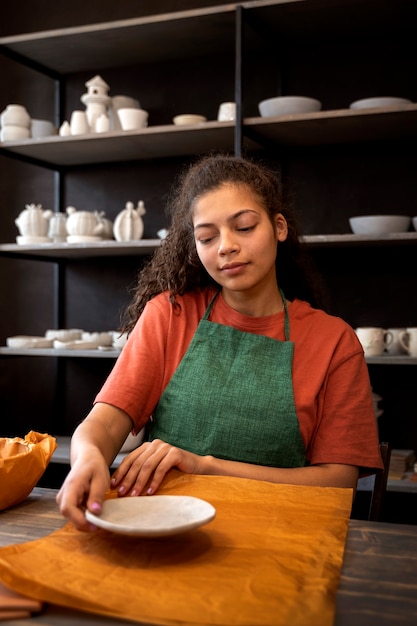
{"type": "Point", "coordinates": [232, 397]}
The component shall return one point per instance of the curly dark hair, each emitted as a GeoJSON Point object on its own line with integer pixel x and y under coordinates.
{"type": "Point", "coordinates": [175, 266]}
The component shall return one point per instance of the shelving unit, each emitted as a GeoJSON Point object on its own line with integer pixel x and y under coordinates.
{"type": "Point", "coordinates": [262, 48]}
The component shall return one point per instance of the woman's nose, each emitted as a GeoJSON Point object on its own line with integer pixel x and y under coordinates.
{"type": "Point", "coordinates": [227, 243]}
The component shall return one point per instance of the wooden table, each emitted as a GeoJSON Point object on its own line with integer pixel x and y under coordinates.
{"type": "Point", "coordinates": [378, 584]}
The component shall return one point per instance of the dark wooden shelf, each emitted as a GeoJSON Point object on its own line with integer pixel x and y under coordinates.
{"type": "Point", "coordinates": [56, 252]}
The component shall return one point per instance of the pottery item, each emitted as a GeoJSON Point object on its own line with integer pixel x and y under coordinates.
{"type": "Point", "coordinates": [128, 225]}
{"type": "Point", "coordinates": [27, 240]}
{"type": "Point", "coordinates": [96, 100]}
{"type": "Point", "coordinates": [58, 227]}
{"type": "Point", "coordinates": [288, 105]}
{"type": "Point", "coordinates": [119, 340]}
{"type": "Point", "coordinates": [102, 124]}
{"type": "Point", "coordinates": [120, 102]}
{"type": "Point", "coordinates": [33, 221]}
{"type": "Point", "coordinates": [65, 129]}
{"type": "Point", "coordinates": [84, 223]}
{"type": "Point", "coordinates": [408, 340]}
{"type": "Point", "coordinates": [368, 103]}
{"type": "Point", "coordinates": [188, 118]}
{"type": "Point", "coordinates": [379, 224]}
{"type": "Point", "coordinates": [107, 232]}
{"type": "Point", "coordinates": [79, 123]}
{"type": "Point", "coordinates": [28, 341]}
{"type": "Point", "coordinates": [14, 133]}
{"type": "Point", "coordinates": [99, 338]}
{"type": "Point", "coordinates": [227, 112]}
{"type": "Point", "coordinates": [41, 128]}
{"type": "Point", "coordinates": [395, 348]}
{"type": "Point", "coordinates": [64, 334]}
{"type": "Point", "coordinates": [15, 115]}
{"type": "Point", "coordinates": [374, 340]}
{"type": "Point", "coordinates": [132, 119]}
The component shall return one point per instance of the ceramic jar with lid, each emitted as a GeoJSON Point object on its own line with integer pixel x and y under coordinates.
{"type": "Point", "coordinates": [58, 227]}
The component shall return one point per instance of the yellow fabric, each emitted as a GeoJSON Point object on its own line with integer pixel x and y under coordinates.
{"type": "Point", "coordinates": [272, 556]}
{"type": "Point", "coordinates": [22, 463]}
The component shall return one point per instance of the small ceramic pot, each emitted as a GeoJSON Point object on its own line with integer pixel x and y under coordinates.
{"type": "Point", "coordinates": [58, 227]}
{"type": "Point", "coordinates": [79, 123]}
{"type": "Point", "coordinates": [15, 115]}
{"type": "Point", "coordinates": [128, 225]}
{"type": "Point", "coordinates": [14, 133]}
{"type": "Point", "coordinates": [132, 119]}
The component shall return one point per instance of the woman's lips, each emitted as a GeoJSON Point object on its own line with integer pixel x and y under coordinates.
{"type": "Point", "coordinates": [233, 268]}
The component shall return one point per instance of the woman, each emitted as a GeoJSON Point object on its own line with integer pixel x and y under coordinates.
{"type": "Point", "coordinates": [228, 364]}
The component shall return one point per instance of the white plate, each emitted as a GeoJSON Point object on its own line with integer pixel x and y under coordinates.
{"type": "Point", "coordinates": [28, 341]}
{"type": "Point", "coordinates": [153, 516]}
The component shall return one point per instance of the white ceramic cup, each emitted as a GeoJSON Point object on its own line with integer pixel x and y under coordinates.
{"type": "Point", "coordinates": [374, 340]}
{"type": "Point", "coordinates": [132, 119]}
{"type": "Point", "coordinates": [227, 112]}
{"type": "Point", "coordinates": [395, 348]}
{"type": "Point", "coordinates": [408, 339]}
{"type": "Point", "coordinates": [79, 123]}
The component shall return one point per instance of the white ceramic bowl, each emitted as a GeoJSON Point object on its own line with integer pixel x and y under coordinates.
{"type": "Point", "coordinates": [131, 118]}
{"type": "Point", "coordinates": [288, 105]}
{"type": "Point", "coordinates": [14, 133]}
{"type": "Point", "coordinates": [64, 334]}
{"type": "Point", "coordinates": [188, 118]}
{"type": "Point", "coordinates": [414, 220]}
{"type": "Point", "coordinates": [379, 224]}
{"type": "Point", "coordinates": [368, 103]}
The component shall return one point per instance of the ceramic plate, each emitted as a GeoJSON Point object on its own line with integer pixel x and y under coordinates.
{"type": "Point", "coordinates": [153, 516]}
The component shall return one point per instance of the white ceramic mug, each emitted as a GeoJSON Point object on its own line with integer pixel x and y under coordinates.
{"type": "Point", "coordinates": [374, 340]}
{"type": "Point", "coordinates": [395, 347]}
{"type": "Point", "coordinates": [42, 128]}
{"type": "Point", "coordinates": [227, 112]}
{"type": "Point", "coordinates": [408, 339]}
{"type": "Point", "coordinates": [132, 119]}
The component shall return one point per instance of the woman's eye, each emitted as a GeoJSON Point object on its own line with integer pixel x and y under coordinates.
{"type": "Point", "coordinates": [245, 229]}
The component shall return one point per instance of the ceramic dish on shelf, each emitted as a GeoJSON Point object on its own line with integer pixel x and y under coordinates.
{"type": "Point", "coordinates": [27, 240]}
{"type": "Point", "coordinates": [379, 224]}
{"type": "Point", "coordinates": [153, 516]}
{"type": "Point", "coordinates": [369, 103]}
{"type": "Point", "coordinates": [188, 118]}
{"type": "Point", "coordinates": [78, 344]}
{"type": "Point", "coordinates": [288, 105]}
{"type": "Point", "coordinates": [100, 339]}
{"type": "Point", "coordinates": [83, 238]}
{"type": "Point", "coordinates": [28, 341]}
{"type": "Point", "coordinates": [414, 221]}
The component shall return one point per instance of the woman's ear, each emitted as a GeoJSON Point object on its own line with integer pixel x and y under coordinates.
{"type": "Point", "coordinates": [281, 227]}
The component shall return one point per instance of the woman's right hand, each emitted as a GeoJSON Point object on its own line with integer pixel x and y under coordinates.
{"type": "Point", "coordinates": [84, 487]}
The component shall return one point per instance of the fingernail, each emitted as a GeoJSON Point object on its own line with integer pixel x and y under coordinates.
{"type": "Point", "coordinates": [121, 490]}
{"type": "Point", "coordinates": [149, 491]}
{"type": "Point", "coordinates": [95, 507]}
{"type": "Point", "coordinates": [112, 482]}
{"type": "Point", "coordinates": [134, 493]}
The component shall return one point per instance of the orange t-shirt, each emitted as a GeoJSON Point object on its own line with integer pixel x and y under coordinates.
{"type": "Point", "coordinates": [330, 377]}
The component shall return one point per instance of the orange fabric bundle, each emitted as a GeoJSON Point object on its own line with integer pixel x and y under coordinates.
{"type": "Point", "coordinates": [271, 557]}
{"type": "Point", "coordinates": [22, 463]}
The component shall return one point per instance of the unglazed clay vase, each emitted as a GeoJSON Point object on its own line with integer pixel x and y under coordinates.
{"type": "Point", "coordinates": [15, 115]}
{"type": "Point", "coordinates": [33, 221]}
{"type": "Point", "coordinates": [128, 225]}
{"type": "Point", "coordinates": [83, 224]}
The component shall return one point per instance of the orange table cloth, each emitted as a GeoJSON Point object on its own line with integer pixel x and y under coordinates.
{"type": "Point", "coordinates": [272, 556]}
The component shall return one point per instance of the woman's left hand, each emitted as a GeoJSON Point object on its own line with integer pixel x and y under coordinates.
{"type": "Point", "coordinates": [143, 470]}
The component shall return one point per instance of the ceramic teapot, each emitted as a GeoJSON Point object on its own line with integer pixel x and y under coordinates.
{"type": "Point", "coordinates": [128, 225]}
{"type": "Point", "coordinates": [33, 221]}
{"type": "Point", "coordinates": [84, 223]}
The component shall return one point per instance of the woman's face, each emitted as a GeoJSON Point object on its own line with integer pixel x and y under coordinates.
{"type": "Point", "coordinates": [236, 241]}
